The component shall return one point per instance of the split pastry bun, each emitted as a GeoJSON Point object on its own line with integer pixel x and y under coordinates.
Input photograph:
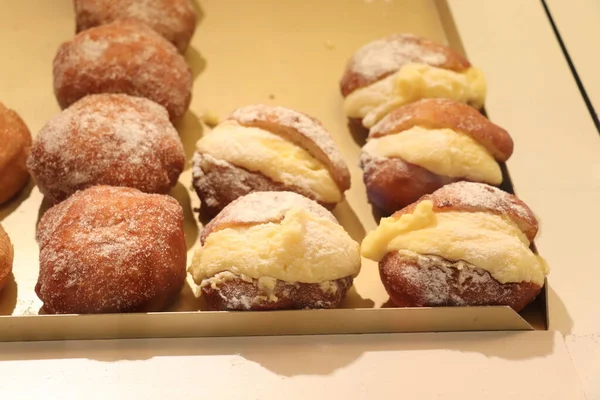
{"type": "Point", "coordinates": [175, 20]}
{"type": "Point", "coordinates": [16, 143]}
{"type": "Point", "coordinates": [274, 250]}
{"type": "Point", "coordinates": [421, 146]}
{"type": "Point", "coordinates": [466, 244]}
{"type": "Point", "coordinates": [107, 139]}
{"type": "Point", "coordinates": [125, 56]}
{"type": "Point", "coordinates": [109, 250]}
{"type": "Point", "coordinates": [267, 148]}
{"type": "Point", "coordinates": [402, 68]}
{"type": "Point", "coordinates": [6, 258]}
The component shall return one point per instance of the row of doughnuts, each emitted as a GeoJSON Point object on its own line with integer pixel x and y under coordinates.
{"type": "Point", "coordinates": [261, 174]}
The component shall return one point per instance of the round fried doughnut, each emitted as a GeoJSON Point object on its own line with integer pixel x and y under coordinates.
{"type": "Point", "coordinates": [415, 280]}
{"type": "Point", "coordinates": [16, 141]}
{"type": "Point", "coordinates": [175, 20]}
{"type": "Point", "coordinates": [127, 57]}
{"type": "Point", "coordinates": [6, 258]}
{"type": "Point", "coordinates": [382, 57]}
{"type": "Point", "coordinates": [111, 249]}
{"type": "Point", "coordinates": [107, 139]}
{"type": "Point", "coordinates": [392, 183]}
{"type": "Point", "coordinates": [309, 260]}
{"type": "Point", "coordinates": [234, 169]}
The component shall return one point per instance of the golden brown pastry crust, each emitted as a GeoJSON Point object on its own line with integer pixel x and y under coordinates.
{"type": "Point", "coordinates": [16, 143]}
{"type": "Point", "coordinates": [392, 183]}
{"type": "Point", "coordinates": [446, 113]}
{"type": "Point", "coordinates": [394, 51]}
{"type": "Point", "coordinates": [110, 249]}
{"type": "Point", "coordinates": [6, 258]}
{"type": "Point", "coordinates": [127, 57]}
{"type": "Point", "coordinates": [175, 20]}
{"type": "Point", "coordinates": [107, 139]}
{"type": "Point", "coordinates": [218, 182]}
{"type": "Point", "coordinates": [479, 197]}
{"type": "Point", "coordinates": [430, 281]}
{"type": "Point", "coordinates": [239, 294]}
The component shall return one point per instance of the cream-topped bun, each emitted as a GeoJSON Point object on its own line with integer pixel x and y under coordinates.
{"type": "Point", "coordinates": [265, 148]}
{"type": "Point", "coordinates": [175, 20]}
{"type": "Point", "coordinates": [480, 230]}
{"type": "Point", "coordinates": [421, 146]}
{"type": "Point", "coordinates": [269, 245]}
{"type": "Point", "coordinates": [16, 144]}
{"type": "Point", "coordinates": [401, 69]}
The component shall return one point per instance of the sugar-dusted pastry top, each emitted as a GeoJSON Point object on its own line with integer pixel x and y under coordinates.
{"type": "Point", "coordinates": [410, 83]}
{"type": "Point", "coordinates": [446, 113]}
{"type": "Point", "coordinates": [175, 20]}
{"type": "Point", "coordinates": [384, 56]}
{"type": "Point", "coordinates": [469, 222]}
{"type": "Point", "coordinates": [258, 150]}
{"type": "Point", "coordinates": [442, 151]}
{"type": "Point", "coordinates": [279, 235]}
{"type": "Point", "coordinates": [300, 129]}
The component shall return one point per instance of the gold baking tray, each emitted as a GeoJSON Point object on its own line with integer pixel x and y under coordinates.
{"type": "Point", "coordinates": [288, 53]}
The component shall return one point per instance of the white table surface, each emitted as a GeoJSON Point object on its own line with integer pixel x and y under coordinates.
{"type": "Point", "coordinates": [556, 168]}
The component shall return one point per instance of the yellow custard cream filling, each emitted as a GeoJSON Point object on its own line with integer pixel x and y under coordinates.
{"type": "Point", "coordinates": [486, 240]}
{"type": "Point", "coordinates": [413, 82]}
{"type": "Point", "coordinates": [258, 150]}
{"type": "Point", "coordinates": [441, 151]}
{"type": "Point", "coordinates": [301, 248]}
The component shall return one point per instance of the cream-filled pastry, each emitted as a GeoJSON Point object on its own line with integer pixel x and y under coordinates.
{"type": "Point", "coordinates": [465, 244]}
{"type": "Point", "coordinates": [266, 148]}
{"type": "Point", "coordinates": [421, 146]}
{"type": "Point", "coordinates": [402, 68]}
{"type": "Point", "coordinates": [274, 250]}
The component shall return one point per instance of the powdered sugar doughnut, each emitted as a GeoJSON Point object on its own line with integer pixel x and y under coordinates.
{"type": "Point", "coordinates": [125, 56]}
{"type": "Point", "coordinates": [175, 20]}
{"type": "Point", "coordinates": [16, 141]}
{"type": "Point", "coordinates": [109, 249]}
{"type": "Point", "coordinates": [107, 139]}
{"type": "Point", "coordinates": [6, 258]}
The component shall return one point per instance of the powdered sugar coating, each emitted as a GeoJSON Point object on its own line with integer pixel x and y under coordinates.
{"type": "Point", "coordinates": [417, 280]}
{"type": "Point", "coordinates": [382, 56]}
{"type": "Point", "coordinates": [173, 19]}
{"type": "Point", "coordinates": [263, 207]}
{"type": "Point", "coordinates": [109, 249]}
{"type": "Point", "coordinates": [227, 291]}
{"type": "Point", "coordinates": [108, 139]}
{"type": "Point", "coordinates": [313, 136]}
{"type": "Point", "coordinates": [125, 56]}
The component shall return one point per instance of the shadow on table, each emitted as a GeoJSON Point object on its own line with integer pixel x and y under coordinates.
{"type": "Point", "coordinates": [291, 355]}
